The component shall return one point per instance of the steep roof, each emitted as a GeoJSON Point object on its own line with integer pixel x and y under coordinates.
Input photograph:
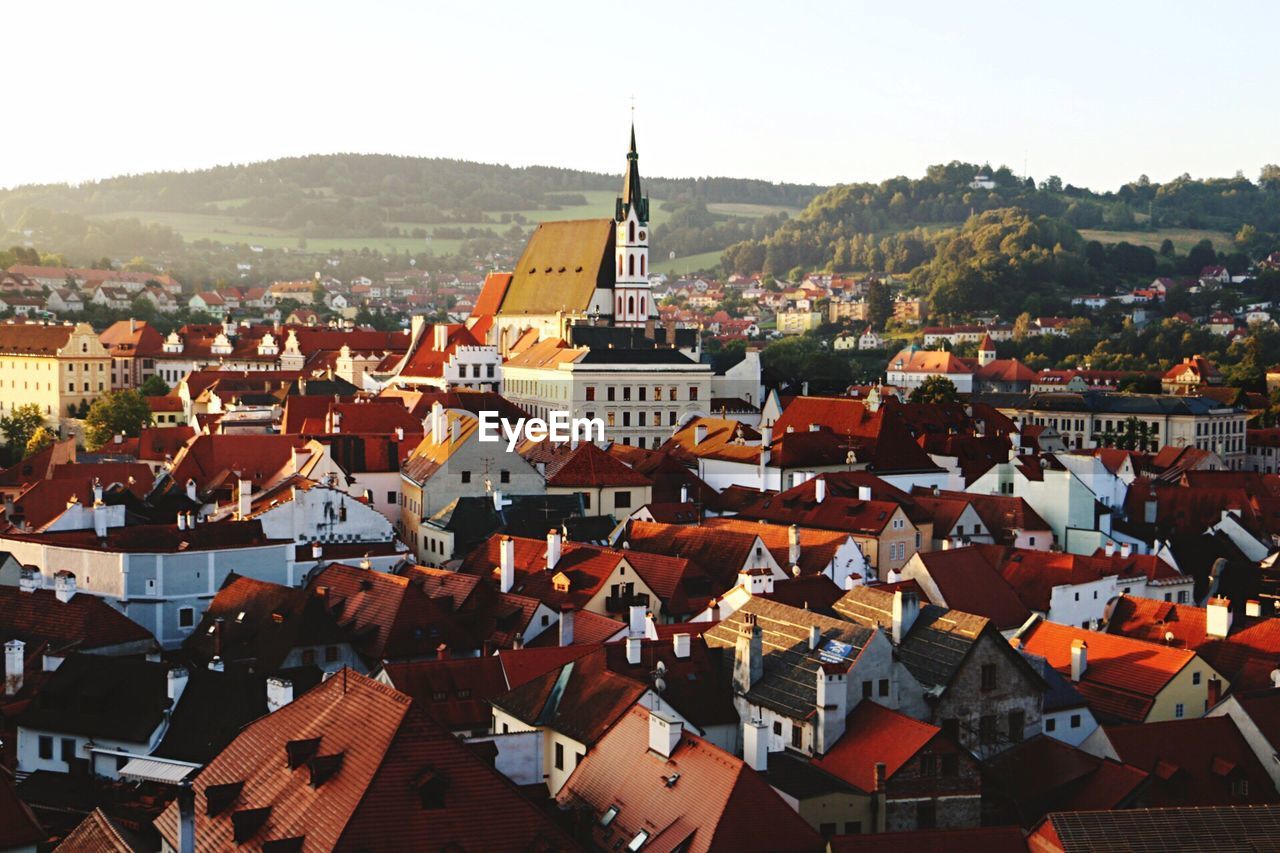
{"type": "Point", "coordinates": [102, 696]}
{"type": "Point", "coordinates": [561, 266]}
{"type": "Point", "coordinates": [713, 803]}
{"type": "Point", "coordinates": [491, 294]}
{"type": "Point", "coordinates": [970, 581]}
{"type": "Point", "coordinates": [588, 466]}
{"type": "Point", "coordinates": [455, 693]}
{"type": "Point", "coordinates": [1034, 574]}
{"type": "Point", "coordinates": [364, 770]}
{"type": "Point", "coordinates": [874, 735]}
{"type": "Point", "coordinates": [84, 622]}
{"type": "Point", "coordinates": [1122, 678]}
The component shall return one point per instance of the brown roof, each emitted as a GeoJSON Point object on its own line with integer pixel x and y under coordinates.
{"type": "Point", "coordinates": [1204, 829]}
{"type": "Point", "coordinates": [33, 338]}
{"type": "Point", "coordinates": [562, 265]}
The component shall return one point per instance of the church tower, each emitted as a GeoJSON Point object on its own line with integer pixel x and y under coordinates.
{"type": "Point", "coordinates": [632, 302]}
{"type": "Point", "coordinates": [986, 351]}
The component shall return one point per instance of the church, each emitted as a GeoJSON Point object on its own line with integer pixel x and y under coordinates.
{"type": "Point", "coordinates": [577, 272]}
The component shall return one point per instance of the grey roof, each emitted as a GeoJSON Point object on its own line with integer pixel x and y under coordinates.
{"type": "Point", "coordinates": [789, 684]}
{"type": "Point", "coordinates": [1103, 403]}
{"type": "Point", "coordinates": [937, 643]}
{"type": "Point", "coordinates": [1187, 828]}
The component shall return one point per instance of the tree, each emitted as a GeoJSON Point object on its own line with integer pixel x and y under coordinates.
{"type": "Point", "coordinates": [19, 425]}
{"type": "Point", "coordinates": [1166, 248]}
{"type": "Point", "coordinates": [154, 387]}
{"type": "Point", "coordinates": [934, 389]}
{"type": "Point", "coordinates": [40, 439]}
{"type": "Point", "coordinates": [123, 412]}
{"type": "Point", "coordinates": [879, 304]}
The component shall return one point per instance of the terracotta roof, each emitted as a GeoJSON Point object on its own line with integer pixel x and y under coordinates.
{"type": "Point", "coordinates": [454, 693]}
{"type": "Point", "coordinates": [33, 338]}
{"type": "Point", "coordinates": [561, 266]}
{"type": "Point", "coordinates": [588, 466]}
{"type": "Point", "coordinates": [492, 294]}
{"type": "Point", "coordinates": [520, 666]}
{"type": "Point", "coordinates": [19, 828]}
{"type": "Point", "coordinates": [157, 538]}
{"type": "Point", "coordinates": [398, 776]}
{"type": "Point", "coordinates": [969, 580]}
{"type": "Point", "coordinates": [1033, 574]}
{"type": "Point", "coordinates": [84, 622]}
{"type": "Point", "coordinates": [102, 696]}
{"type": "Point", "coordinates": [939, 362]}
{"type": "Point", "coordinates": [1246, 656]}
{"type": "Point", "coordinates": [1123, 676]}
{"type": "Point", "coordinates": [714, 802]}
{"type": "Point", "coordinates": [1000, 514]}
{"type": "Point", "coordinates": [874, 735]}
{"type": "Point", "coordinates": [1194, 762]}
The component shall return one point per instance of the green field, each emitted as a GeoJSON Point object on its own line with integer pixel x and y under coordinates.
{"type": "Point", "coordinates": [690, 264]}
{"type": "Point", "coordinates": [750, 211]}
{"type": "Point", "coordinates": [1183, 238]}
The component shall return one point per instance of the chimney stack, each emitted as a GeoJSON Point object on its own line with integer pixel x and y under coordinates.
{"type": "Point", "coordinates": [635, 620]}
{"type": "Point", "coordinates": [748, 657]}
{"type": "Point", "coordinates": [27, 580]}
{"type": "Point", "coordinates": [755, 744]}
{"type": "Point", "coordinates": [864, 493]}
{"type": "Point", "coordinates": [680, 642]}
{"type": "Point", "coordinates": [830, 705]}
{"type": "Point", "coordinates": [177, 682]}
{"type": "Point", "coordinates": [14, 666]}
{"type": "Point", "coordinates": [553, 547]}
{"type": "Point", "coordinates": [699, 434]}
{"type": "Point", "coordinates": [244, 490]}
{"type": "Point", "coordinates": [664, 733]}
{"type": "Point", "coordinates": [64, 586]}
{"type": "Point", "coordinates": [815, 637]}
{"type": "Point", "coordinates": [191, 491]}
{"type": "Point", "coordinates": [1253, 608]}
{"type": "Point", "coordinates": [182, 521]}
{"type": "Point", "coordinates": [820, 490]}
{"type": "Point", "coordinates": [566, 624]}
{"type": "Point", "coordinates": [684, 494]}
{"type": "Point", "coordinates": [1110, 549]}
{"type": "Point", "coordinates": [906, 607]}
{"type": "Point", "coordinates": [399, 433]}
{"type": "Point", "coordinates": [316, 550]}
{"type": "Point", "coordinates": [1217, 617]}
{"type": "Point", "coordinates": [633, 650]}
{"type": "Point", "coordinates": [1125, 550]}
{"type": "Point", "coordinates": [506, 563]}
{"type": "Point", "coordinates": [793, 545]}
{"type": "Point", "coordinates": [279, 693]}
{"type": "Point", "coordinates": [1079, 659]}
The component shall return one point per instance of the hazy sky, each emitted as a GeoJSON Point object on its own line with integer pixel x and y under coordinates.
{"type": "Point", "coordinates": [1097, 93]}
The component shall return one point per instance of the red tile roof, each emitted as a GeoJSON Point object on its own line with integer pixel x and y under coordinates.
{"type": "Point", "coordinates": [1033, 574]}
{"type": "Point", "coordinates": [491, 294]}
{"type": "Point", "coordinates": [587, 466]}
{"type": "Point", "coordinates": [454, 693]}
{"type": "Point", "coordinates": [1123, 676]}
{"type": "Point", "coordinates": [1246, 656]}
{"type": "Point", "coordinates": [875, 735]}
{"type": "Point", "coordinates": [969, 580]}
{"type": "Point", "coordinates": [715, 802]}
{"type": "Point", "coordinates": [84, 622]}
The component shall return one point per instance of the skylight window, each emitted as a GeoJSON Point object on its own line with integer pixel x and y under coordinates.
{"type": "Point", "coordinates": [239, 617]}
{"type": "Point", "coordinates": [608, 816]}
{"type": "Point", "coordinates": [636, 843]}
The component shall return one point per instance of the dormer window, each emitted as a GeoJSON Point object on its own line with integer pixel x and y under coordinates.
{"type": "Point", "coordinates": [608, 816]}
{"type": "Point", "coordinates": [639, 841]}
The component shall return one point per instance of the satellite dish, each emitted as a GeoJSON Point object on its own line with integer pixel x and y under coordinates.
{"type": "Point", "coordinates": [662, 667]}
{"type": "Point", "coordinates": [1168, 637]}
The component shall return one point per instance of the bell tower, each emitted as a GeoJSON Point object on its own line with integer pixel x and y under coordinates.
{"type": "Point", "coordinates": [632, 302]}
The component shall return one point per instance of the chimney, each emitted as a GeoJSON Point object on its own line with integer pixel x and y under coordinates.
{"type": "Point", "coordinates": [27, 580]}
{"type": "Point", "coordinates": [517, 642]}
{"type": "Point", "coordinates": [1110, 549]}
{"type": "Point", "coordinates": [216, 664]}
{"type": "Point", "coordinates": [1253, 608]}
{"type": "Point", "coordinates": [566, 624]}
{"type": "Point", "coordinates": [664, 733]}
{"type": "Point", "coordinates": [191, 491]}
{"type": "Point", "coordinates": [820, 490]}
{"type": "Point", "coordinates": [279, 693]}
{"type": "Point", "coordinates": [635, 620]}
{"type": "Point", "coordinates": [64, 586]}
{"type": "Point", "coordinates": [680, 642]}
{"type": "Point", "coordinates": [878, 777]}
{"type": "Point", "coordinates": [815, 637]}
{"type": "Point", "coordinates": [766, 436]}
{"type": "Point", "coordinates": [684, 494]}
{"type": "Point", "coordinates": [437, 422]}
{"type": "Point", "coordinates": [633, 650]}
{"type": "Point", "coordinates": [755, 744]}
{"type": "Point", "coordinates": [14, 666]}
{"type": "Point", "coordinates": [1149, 510]}
{"type": "Point", "coordinates": [748, 656]}
{"type": "Point", "coordinates": [1125, 550]}
{"type": "Point", "coordinates": [793, 545]}
{"type": "Point", "coordinates": [182, 521]}
{"type": "Point", "coordinates": [399, 433]}
{"type": "Point", "coordinates": [118, 438]}
{"type": "Point", "coordinates": [442, 651]}
{"type": "Point", "coordinates": [506, 563]}
{"type": "Point", "coordinates": [1079, 659]}
{"type": "Point", "coordinates": [316, 550]}
{"type": "Point", "coordinates": [439, 337]}
{"type": "Point", "coordinates": [699, 434]}
{"type": "Point", "coordinates": [99, 514]}
{"type": "Point", "coordinates": [864, 493]}
{"type": "Point", "coordinates": [245, 492]}
{"type": "Point", "coordinates": [1217, 617]}
{"type": "Point", "coordinates": [553, 547]}
{"type": "Point", "coordinates": [830, 706]}
{"type": "Point", "coordinates": [906, 607]}
{"type": "Point", "coordinates": [177, 683]}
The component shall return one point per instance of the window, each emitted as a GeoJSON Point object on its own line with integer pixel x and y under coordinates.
{"type": "Point", "coordinates": [1017, 724]}
{"type": "Point", "coordinates": [330, 654]}
{"type": "Point", "coordinates": [866, 689]}
{"type": "Point", "coordinates": [951, 728]}
{"type": "Point", "coordinates": [308, 657]}
{"type": "Point", "coordinates": [1240, 788]}
{"type": "Point", "coordinates": [797, 736]}
{"type": "Point", "coordinates": [1075, 721]}
{"type": "Point", "coordinates": [853, 827]}
{"type": "Point", "coordinates": [777, 727]}
{"type": "Point", "coordinates": [693, 393]}
{"type": "Point", "coordinates": [636, 843]}
{"type": "Point", "coordinates": [626, 393]}
{"type": "Point", "coordinates": [928, 765]}
{"type": "Point", "coordinates": [610, 392]}
{"type": "Point", "coordinates": [1050, 724]}
{"type": "Point", "coordinates": [884, 687]}
{"type": "Point", "coordinates": [622, 500]}
{"type": "Point", "coordinates": [827, 829]}
{"type": "Point", "coordinates": [46, 747]}
{"type": "Point", "coordinates": [186, 617]}
{"type": "Point", "coordinates": [466, 476]}
{"type": "Point", "coordinates": [1178, 710]}
{"type": "Point", "coordinates": [950, 764]}
{"type": "Point", "coordinates": [1195, 678]}
{"type": "Point", "coordinates": [68, 749]}
{"type": "Point", "coordinates": [559, 756]}
{"type": "Point", "coordinates": [987, 728]}
{"type": "Point", "coordinates": [988, 676]}
{"type": "Point", "coordinates": [926, 814]}
{"type": "Point", "coordinates": [591, 393]}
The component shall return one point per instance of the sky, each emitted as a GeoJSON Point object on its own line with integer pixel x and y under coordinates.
{"type": "Point", "coordinates": [815, 92]}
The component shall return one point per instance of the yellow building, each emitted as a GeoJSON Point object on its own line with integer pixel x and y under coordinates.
{"type": "Point", "coordinates": [60, 368]}
{"type": "Point", "coordinates": [798, 322]}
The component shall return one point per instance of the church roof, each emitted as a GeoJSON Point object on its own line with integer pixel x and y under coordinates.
{"type": "Point", "coordinates": [631, 193]}
{"type": "Point", "coordinates": [562, 265]}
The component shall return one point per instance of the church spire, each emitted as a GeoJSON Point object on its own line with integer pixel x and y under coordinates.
{"type": "Point", "coordinates": [632, 195]}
